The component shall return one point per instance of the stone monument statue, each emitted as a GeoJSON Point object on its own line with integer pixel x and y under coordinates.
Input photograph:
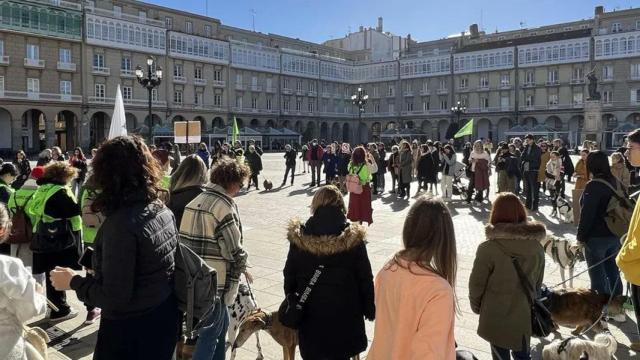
{"type": "Point", "coordinates": [594, 94]}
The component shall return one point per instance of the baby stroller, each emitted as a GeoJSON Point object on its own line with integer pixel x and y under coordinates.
{"type": "Point", "coordinates": [459, 187]}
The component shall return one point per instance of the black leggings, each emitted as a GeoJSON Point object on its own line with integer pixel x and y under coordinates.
{"type": "Point", "coordinates": [635, 298]}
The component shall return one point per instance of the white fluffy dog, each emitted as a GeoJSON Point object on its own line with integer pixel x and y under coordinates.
{"type": "Point", "coordinates": [601, 348]}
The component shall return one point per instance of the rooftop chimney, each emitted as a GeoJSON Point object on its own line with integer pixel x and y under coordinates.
{"type": "Point", "coordinates": [379, 28]}
{"type": "Point", "coordinates": [599, 10]}
{"type": "Point", "coordinates": [361, 28]}
{"type": "Point", "coordinates": [473, 30]}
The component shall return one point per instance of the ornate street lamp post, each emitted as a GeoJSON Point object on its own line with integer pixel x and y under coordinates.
{"type": "Point", "coordinates": [458, 110]}
{"type": "Point", "coordinates": [360, 100]}
{"type": "Point", "coordinates": [151, 80]}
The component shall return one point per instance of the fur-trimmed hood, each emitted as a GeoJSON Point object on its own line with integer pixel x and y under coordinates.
{"type": "Point", "coordinates": [324, 245]}
{"type": "Point", "coordinates": [528, 230]}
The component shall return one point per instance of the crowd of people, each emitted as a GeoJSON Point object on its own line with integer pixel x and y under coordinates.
{"type": "Point", "coordinates": [134, 205]}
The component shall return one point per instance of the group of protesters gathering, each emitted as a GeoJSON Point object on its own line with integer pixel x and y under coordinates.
{"type": "Point", "coordinates": [137, 205]}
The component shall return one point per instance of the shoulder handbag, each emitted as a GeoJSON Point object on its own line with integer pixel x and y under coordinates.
{"type": "Point", "coordinates": [541, 322]}
{"type": "Point", "coordinates": [353, 182]}
{"type": "Point", "coordinates": [292, 308]}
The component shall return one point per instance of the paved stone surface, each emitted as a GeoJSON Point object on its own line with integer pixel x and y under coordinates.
{"type": "Point", "coordinates": [265, 215]}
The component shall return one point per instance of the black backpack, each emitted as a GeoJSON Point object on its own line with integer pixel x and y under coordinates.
{"type": "Point", "coordinates": [513, 170]}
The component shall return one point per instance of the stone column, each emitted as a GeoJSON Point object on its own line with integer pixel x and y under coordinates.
{"type": "Point", "coordinates": [50, 128]}
{"type": "Point", "coordinates": [16, 132]}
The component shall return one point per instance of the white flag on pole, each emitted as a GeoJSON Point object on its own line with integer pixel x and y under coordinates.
{"type": "Point", "coordinates": [119, 119]}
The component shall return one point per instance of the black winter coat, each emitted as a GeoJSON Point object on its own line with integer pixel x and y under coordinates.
{"type": "Point", "coordinates": [333, 320]}
{"type": "Point", "coordinates": [290, 157]}
{"type": "Point", "coordinates": [428, 166]}
{"type": "Point", "coordinates": [593, 204]}
{"type": "Point", "coordinates": [180, 198]}
{"type": "Point", "coordinates": [254, 161]}
{"type": "Point", "coordinates": [134, 274]}
{"type": "Point", "coordinates": [532, 157]}
{"type": "Point", "coordinates": [24, 168]}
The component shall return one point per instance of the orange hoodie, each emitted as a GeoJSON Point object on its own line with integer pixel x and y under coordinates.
{"type": "Point", "coordinates": [415, 315]}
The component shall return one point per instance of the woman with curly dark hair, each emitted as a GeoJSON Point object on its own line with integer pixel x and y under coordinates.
{"type": "Point", "coordinates": [133, 261]}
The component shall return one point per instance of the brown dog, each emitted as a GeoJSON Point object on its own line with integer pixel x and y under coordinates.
{"type": "Point", "coordinates": [269, 322]}
{"type": "Point", "coordinates": [580, 308]}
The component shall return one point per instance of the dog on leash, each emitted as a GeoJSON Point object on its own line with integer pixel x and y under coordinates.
{"type": "Point", "coordinates": [565, 210]}
{"type": "Point", "coordinates": [268, 185]}
{"type": "Point", "coordinates": [269, 322]}
{"type": "Point", "coordinates": [601, 348]}
{"type": "Point", "coordinates": [582, 309]}
{"type": "Point", "coordinates": [564, 253]}
{"type": "Point", "coordinates": [242, 307]}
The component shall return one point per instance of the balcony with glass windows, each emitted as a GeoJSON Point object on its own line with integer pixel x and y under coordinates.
{"type": "Point", "coordinates": [127, 73]}
{"type": "Point", "coordinates": [63, 20]}
{"type": "Point", "coordinates": [38, 96]}
{"type": "Point", "coordinates": [101, 70]}
{"type": "Point", "coordinates": [122, 33]}
{"type": "Point", "coordinates": [34, 63]}
{"type": "Point", "coordinates": [200, 82]}
{"type": "Point", "coordinates": [4, 60]}
{"type": "Point", "coordinates": [65, 66]}
{"type": "Point", "coordinates": [198, 48]}
{"type": "Point", "coordinates": [119, 15]}
{"type": "Point", "coordinates": [219, 83]}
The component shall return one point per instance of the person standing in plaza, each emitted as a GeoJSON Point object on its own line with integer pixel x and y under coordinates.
{"type": "Point", "coordinates": [506, 164]}
{"type": "Point", "coordinates": [628, 259]}
{"type": "Point", "coordinates": [382, 167]}
{"type": "Point", "coordinates": [393, 165]}
{"type": "Point", "coordinates": [480, 170]}
{"type": "Point", "coordinates": [330, 162]}
{"type": "Point", "coordinates": [593, 233]}
{"type": "Point", "coordinates": [448, 172]}
{"type": "Point", "coordinates": [57, 154]}
{"type": "Point", "coordinates": [405, 169]}
{"type": "Point", "coordinates": [53, 208]}
{"type": "Point", "coordinates": [495, 290]}
{"type": "Point", "coordinates": [211, 227]}
{"type": "Point", "coordinates": [315, 161]}
{"type": "Point", "coordinates": [255, 164]}
{"type": "Point", "coordinates": [304, 155]}
{"type": "Point", "coordinates": [415, 297]}
{"type": "Point", "coordinates": [619, 170]}
{"type": "Point", "coordinates": [360, 204]}
{"type": "Point", "coordinates": [373, 151]}
{"type": "Point", "coordinates": [555, 178]}
{"type": "Point", "coordinates": [416, 152]}
{"type": "Point", "coordinates": [133, 260]}
{"type": "Point", "coordinates": [186, 184]}
{"type": "Point", "coordinates": [44, 158]}
{"type": "Point", "coordinates": [545, 155]}
{"type": "Point", "coordinates": [203, 152]}
{"type": "Point", "coordinates": [582, 178]}
{"type": "Point", "coordinates": [24, 168]}
{"type": "Point", "coordinates": [79, 162]}
{"type": "Point", "coordinates": [176, 157]}
{"type": "Point", "coordinates": [333, 323]}
{"type": "Point", "coordinates": [290, 155]}
{"type": "Point", "coordinates": [21, 300]}
{"type": "Point", "coordinates": [530, 166]}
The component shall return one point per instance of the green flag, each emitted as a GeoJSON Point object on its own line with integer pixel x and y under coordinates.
{"type": "Point", "coordinates": [234, 132]}
{"type": "Point", "coordinates": [467, 129]}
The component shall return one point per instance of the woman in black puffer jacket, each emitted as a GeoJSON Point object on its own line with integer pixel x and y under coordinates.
{"type": "Point", "coordinates": [333, 322]}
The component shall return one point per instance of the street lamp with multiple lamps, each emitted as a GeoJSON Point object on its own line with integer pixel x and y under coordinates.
{"type": "Point", "coordinates": [359, 99]}
{"type": "Point", "coordinates": [458, 110]}
{"type": "Point", "coordinates": [150, 81]}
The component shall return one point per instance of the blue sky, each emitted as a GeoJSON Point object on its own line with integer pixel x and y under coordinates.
{"type": "Point", "coordinates": [320, 20]}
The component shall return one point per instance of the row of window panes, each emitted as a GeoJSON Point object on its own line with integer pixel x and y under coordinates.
{"type": "Point", "coordinates": [187, 45]}
{"type": "Point", "coordinates": [300, 65]}
{"type": "Point", "coordinates": [255, 58]}
{"type": "Point", "coordinates": [618, 46]}
{"type": "Point", "coordinates": [40, 19]}
{"type": "Point", "coordinates": [125, 33]}
{"type": "Point", "coordinates": [578, 51]}
{"type": "Point", "coordinates": [425, 66]}
{"type": "Point", "coordinates": [483, 61]}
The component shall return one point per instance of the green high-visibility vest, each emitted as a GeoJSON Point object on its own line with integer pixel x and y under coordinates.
{"type": "Point", "coordinates": [165, 181]}
{"type": "Point", "coordinates": [10, 190]}
{"type": "Point", "coordinates": [19, 199]}
{"type": "Point", "coordinates": [88, 233]}
{"type": "Point", "coordinates": [36, 206]}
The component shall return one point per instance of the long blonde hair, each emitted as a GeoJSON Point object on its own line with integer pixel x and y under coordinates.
{"type": "Point", "coordinates": [477, 147]}
{"type": "Point", "coordinates": [429, 240]}
{"type": "Point", "coordinates": [328, 195]}
{"type": "Point", "coordinates": [191, 171]}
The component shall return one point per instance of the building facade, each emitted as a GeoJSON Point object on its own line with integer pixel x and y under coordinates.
{"type": "Point", "coordinates": [61, 62]}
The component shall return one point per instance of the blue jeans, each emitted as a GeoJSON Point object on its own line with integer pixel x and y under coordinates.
{"type": "Point", "coordinates": [604, 276]}
{"type": "Point", "coordinates": [212, 335]}
{"type": "Point", "coordinates": [498, 353]}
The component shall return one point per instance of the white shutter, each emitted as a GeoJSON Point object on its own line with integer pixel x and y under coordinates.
{"type": "Point", "coordinates": [634, 96]}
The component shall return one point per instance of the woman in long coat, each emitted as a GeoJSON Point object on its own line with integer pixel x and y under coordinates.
{"type": "Point", "coordinates": [333, 323]}
{"type": "Point", "coordinates": [405, 169]}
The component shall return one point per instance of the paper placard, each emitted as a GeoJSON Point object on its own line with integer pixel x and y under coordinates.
{"type": "Point", "coordinates": [180, 132]}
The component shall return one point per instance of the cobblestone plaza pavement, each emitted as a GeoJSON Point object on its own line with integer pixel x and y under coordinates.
{"type": "Point", "coordinates": [264, 216]}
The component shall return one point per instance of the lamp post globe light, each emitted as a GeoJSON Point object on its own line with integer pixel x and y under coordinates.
{"type": "Point", "coordinates": [360, 100]}
{"type": "Point", "coordinates": [458, 110]}
{"type": "Point", "coordinates": [150, 80]}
